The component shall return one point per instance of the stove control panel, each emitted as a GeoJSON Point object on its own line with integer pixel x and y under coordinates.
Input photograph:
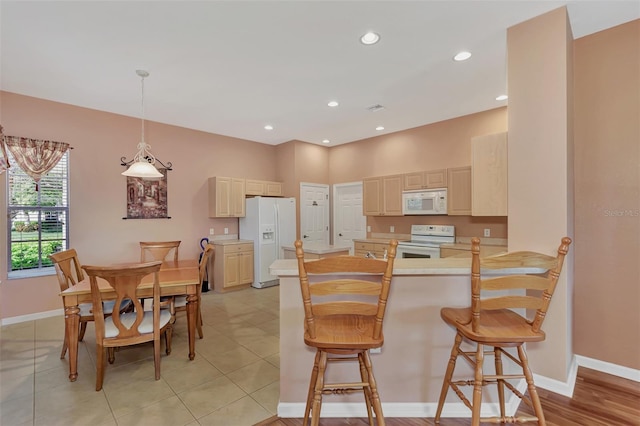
{"type": "Point", "coordinates": [434, 230]}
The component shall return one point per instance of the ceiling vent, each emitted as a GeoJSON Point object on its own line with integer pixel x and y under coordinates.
{"type": "Point", "coordinates": [376, 107]}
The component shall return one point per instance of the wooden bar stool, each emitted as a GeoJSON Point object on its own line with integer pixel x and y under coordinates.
{"type": "Point", "coordinates": [490, 321]}
{"type": "Point", "coordinates": [343, 317]}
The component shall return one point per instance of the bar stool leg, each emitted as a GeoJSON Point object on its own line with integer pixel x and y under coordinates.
{"type": "Point", "coordinates": [448, 375]}
{"type": "Point", "coordinates": [533, 393]}
{"type": "Point", "coordinates": [312, 386]}
{"type": "Point", "coordinates": [477, 386]}
{"type": "Point", "coordinates": [500, 382]}
{"type": "Point", "coordinates": [375, 398]}
{"type": "Point", "coordinates": [319, 385]}
{"type": "Point", "coordinates": [365, 389]}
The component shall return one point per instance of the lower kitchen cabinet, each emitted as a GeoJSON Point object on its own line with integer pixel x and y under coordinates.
{"type": "Point", "coordinates": [233, 266]}
{"type": "Point", "coordinates": [361, 248]}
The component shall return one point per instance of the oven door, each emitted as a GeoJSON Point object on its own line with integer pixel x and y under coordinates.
{"type": "Point", "coordinates": [417, 252]}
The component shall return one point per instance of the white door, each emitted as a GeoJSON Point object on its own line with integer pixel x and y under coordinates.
{"type": "Point", "coordinates": [348, 221]}
{"type": "Point", "coordinates": [314, 212]}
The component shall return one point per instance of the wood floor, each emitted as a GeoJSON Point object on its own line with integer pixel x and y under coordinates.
{"type": "Point", "coordinates": [598, 400]}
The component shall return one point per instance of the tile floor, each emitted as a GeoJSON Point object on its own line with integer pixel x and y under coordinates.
{"type": "Point", "coordinates": [233, 381]}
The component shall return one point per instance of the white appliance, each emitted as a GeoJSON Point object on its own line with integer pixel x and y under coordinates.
{"type": "Point", "coordinates": [425, 241]}
{"type": "Point", "coordinates": [270, 223]}
{"type": "Point", "coordinates": [424, 202]}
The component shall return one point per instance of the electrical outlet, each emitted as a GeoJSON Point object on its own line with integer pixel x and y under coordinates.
{"type": "Point", "coordinates": [211, 231]}
{"type": "Point", "coordinates": [368, 228]}
{"type": "Point", "coordinates": [487, 232]}
{"type": "Point", "coordinates": [226, 231]}
{"type": "Point", "coordinates": [392, 229]}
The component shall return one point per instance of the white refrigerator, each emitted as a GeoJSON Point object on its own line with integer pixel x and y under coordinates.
{"type": "Point", "coordinates": [270, 223]}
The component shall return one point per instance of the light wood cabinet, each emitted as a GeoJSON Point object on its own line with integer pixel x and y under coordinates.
{"type": "Point", "coordinates": [382, 196]}
{"type": "Point", "coordinates": [233, 266]}
{"type": "Point", "coordinates": [459, 191]}
{"type": "Point", "coordinates": [489, 175]}
{"type": "Point", "coordinates": [361, 248]}
{"type": "Point", "coordinates": [226, 197]}
{"type": "Point", "coordinates": [263, 187]}
{"type": "Point", "coordinates": [425, 180]}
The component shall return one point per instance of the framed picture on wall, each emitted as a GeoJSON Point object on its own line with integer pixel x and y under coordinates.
{"type": "Point", "coordinates": [147, 199]}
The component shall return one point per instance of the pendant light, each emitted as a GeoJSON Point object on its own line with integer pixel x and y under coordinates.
{"type": "Point", "coordinates": [143, 163]}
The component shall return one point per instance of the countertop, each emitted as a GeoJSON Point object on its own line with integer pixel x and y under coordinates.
{"type": "Point", "coordinates": [442, 266]}
{"type": "Point", "coordinates": [230, 242]}
{"type": "Point", "coordinates": [465, 246]}
{"type": "Point", "coordinates": [315, 247]}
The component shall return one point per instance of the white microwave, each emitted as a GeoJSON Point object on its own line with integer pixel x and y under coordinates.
{"type": "Point", "coordinates": [424, 202]}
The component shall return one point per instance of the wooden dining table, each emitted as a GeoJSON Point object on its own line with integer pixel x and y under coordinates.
{"type": "Point", "coordinates": [176, 279]}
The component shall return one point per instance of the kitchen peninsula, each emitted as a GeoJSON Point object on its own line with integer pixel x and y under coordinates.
{"type": "Point", "coordinates": [410, 368]}
{"type": "Point", "coordinates": [316, 250]}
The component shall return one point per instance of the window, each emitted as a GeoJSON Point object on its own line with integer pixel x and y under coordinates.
{"type": "Point", "coordinates": [37, 220]}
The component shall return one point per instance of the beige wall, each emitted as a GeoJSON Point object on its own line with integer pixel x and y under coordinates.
{"type": "Point", "coordinates": [434, 146]}
{"type": "Point", "coordinates": [607, 179]}
{"type": "Point", "coordinates": [540, 166]}
{"type": "Point", "coordinates": [98, 199]}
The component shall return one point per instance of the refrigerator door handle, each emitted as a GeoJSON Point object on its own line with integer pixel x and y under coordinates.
{"type": "Point", "coordinates": [276, 213]}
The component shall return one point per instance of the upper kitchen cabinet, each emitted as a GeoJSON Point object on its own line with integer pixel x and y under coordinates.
{"type": "Point", "coordinates": [425, 180]}
{"type": "Point", "coordinates": [459, 191]}
{"type": "Point", "coordinates": [263, 187]}
{"type": "Point", "coordinates": [382, 196]}
{"type": "Point", "coordinates": [489, 175]}
{"type": "Point", "coordinates": [226, 197]}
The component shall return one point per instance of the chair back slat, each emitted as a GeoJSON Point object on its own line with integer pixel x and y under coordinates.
{"type": "Point", "coordinates": [67, 267]}
{"type": "Point", "coordinates": [512, 282]}
{"type": "Point", "coordinates": [345, 308]}
{"type": "Point", "coordinates": [511, 302]}
{"type": "Point", "coordinates": [372, 280]}
{"type": "Point", "coordinates": [539, 286]}
{"type": "Point", "coordinates": [345, 286]}
{"type": "Point", "coordinates": [124, 280]}
{"type": "Point", "coordinates": [158, 250]}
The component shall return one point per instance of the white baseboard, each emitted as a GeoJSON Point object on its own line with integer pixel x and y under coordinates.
{"type": "Point", "coordinates": [609, 368]}
{"type": "Point", "coordinates": [556, 386]}
{"type": "Point", "coordinates": [32, 317]}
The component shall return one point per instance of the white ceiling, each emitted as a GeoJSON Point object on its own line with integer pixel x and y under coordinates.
{"type": "Point", "coordinates": [232, 67]}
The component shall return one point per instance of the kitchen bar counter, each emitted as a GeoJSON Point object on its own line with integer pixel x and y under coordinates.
{"type": "Point", "coordinates": [318, 248]}
{"type": "Point", "coordinates": [411, 365]}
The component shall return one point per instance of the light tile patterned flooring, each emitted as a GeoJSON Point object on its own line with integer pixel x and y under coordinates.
{"type": "Point", "coordinates": [233, 381]}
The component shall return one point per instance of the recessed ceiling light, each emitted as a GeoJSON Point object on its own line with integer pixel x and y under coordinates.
{"type": "Point", "coordinates": [380, 128]}
{"type": "Point", "coordinates": [462, 56]}
{"type": "Point", "coordinates": [370, 38]}
{"type": "Point", "coordinates": [502, 98]}
{"type": "Point", "coordinates": [333, 104]}
{"type": "Point", "coordinates": [268, 127]}
{"type": "Point", "coordinates": [326, 141]}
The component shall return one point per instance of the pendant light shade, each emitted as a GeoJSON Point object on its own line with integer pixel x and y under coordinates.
{"type": "Point", "coordinates": [142, 165]}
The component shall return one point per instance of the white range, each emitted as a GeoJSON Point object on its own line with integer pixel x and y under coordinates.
{"type": "Point", "coordinates": [425, 241]}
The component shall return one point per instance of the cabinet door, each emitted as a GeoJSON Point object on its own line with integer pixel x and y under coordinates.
{"type": "Point", "coordinates": [489, 175]}
{"type": "Point", "coordinates": [459, 193]}
{"type": "Point", "coordinates": [231, 269]}
{"type": "Point", "coordinates": [435, 179]}
{"type": "Point", "coordinates": [219, 197]}
{"type": "Point", "coordinates": [255, 187]}
{"type": "Point", "coordinates": [237, 198]}
{"type": "Point", "coordinates": [246, 267]}
{"type": "Point", "coordinates": [371, 201]}
{"type": "Point", "coordinates": [392, 195]}
{"type": "Point", "coordinates": [413, 181]}
{"type": "Point", "coordinates": [273, 189]}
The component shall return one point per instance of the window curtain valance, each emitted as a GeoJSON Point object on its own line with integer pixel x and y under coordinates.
{"type": "Point", "coordinates": [36, 157]}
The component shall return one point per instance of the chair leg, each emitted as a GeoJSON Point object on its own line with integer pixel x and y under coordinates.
{"type": "Point", "coordinates": [531, 387]}
{"type": "Point", "coordinates": [451, 366]}
{"type": "Point", "coordinates": [112, 355]}
{"type": "Point", "coordinates": [168, 333]}
{"type": "Point", "coordinates": [199, 323]}
{"type": "Point", "coordinates": [365, 389]}
{"type": "Point", "coordinates": [312, 386]}
{"type": "Point", "coordinates": [65, 345]}
{"type": "Point", "coordinates": [100, 366]}
{"type": "Point", "coordinates": [156, 355]}
{"type": "Point", "coordinates": [83, 328]}
{"type": "Point", "coordinates": [477, 387]}
{"type": "Point", "coordinates": [319, 385]}
{"type": "Point", "coordinates": [500, 382]}
{"type": "Point", "coordinates": [375, 398]}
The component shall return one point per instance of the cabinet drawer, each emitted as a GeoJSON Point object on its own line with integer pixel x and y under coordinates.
{"type": "Point", "coordinates": [363, 246]}
{"type": "Point", "coordinates": [236, 248]}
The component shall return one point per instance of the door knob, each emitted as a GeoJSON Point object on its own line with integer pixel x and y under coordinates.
{"type": "Point", "coordinates": [305, 236]}
{"type": "Point", "coordinates": [340, 235]}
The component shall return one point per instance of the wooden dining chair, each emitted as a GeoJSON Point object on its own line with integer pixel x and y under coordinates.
{"type": "Point", "coordinates": [160, 250]}
{"type": "Point", "coordinates": [491, 322]}
{"type": "Point", "coordinates": [180, 302]}
{"type": "Point", "coordinates": [343, 317]}
{"type": "Point", "coordinates": [130, 328]}
{"type": "Point", "coordinates": [69, 273]}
